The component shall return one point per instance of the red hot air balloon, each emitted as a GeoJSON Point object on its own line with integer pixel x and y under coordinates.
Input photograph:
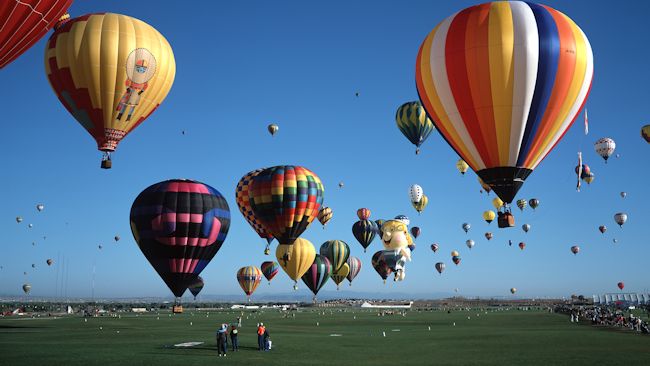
{"type": "Point", "coordinates": [179, 225]}
{"type": "Point", "coordinates": [285, 199]}
{"type": "Point", "coordinates": [415, 231]}
{"type": "Point", "coordinates": [23, 23]}
{"type": "Point", "coordinates": [363, 214]}
{"type": "Point", "coordinates": [620, 285]}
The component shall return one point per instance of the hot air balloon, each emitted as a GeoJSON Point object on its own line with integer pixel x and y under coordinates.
{"type": "Point", "coordinates": [645, 133]}
{"type": "Point", "coordinates": [456, 259]}
{"type": "Point", "coordinates": [19, 219]}
{"type": "Point", "coordinates": [522, 203]}
{"type": "Point", "coordinates": [341, 185]}
{"type": "Point", "coordinates": [109, 83]}
{"type": "Point", "coordinates": [484, 185]}
{"type": "Point", "coordinates": [379, 223]}
{"type": "Point", "coordinates": [269, 270]}
{"type": "Point", "coordinates": [340, 275]}
{"type": "Point", "coordinates": [589, 177]}
{"type": "Point", "coordinates": [513, 290]}
{"type": "Point", "coordinates": [196, 286]}
{"type": "Point", "coordinates": [40, 207]}
{"type": "Point", "coordinates": [470, 243]}
{"type": "Point", "coordinates": [488, 235]}
{"type": "Point", "coordinates": [415, 232]}
{"type": "Point", "coordinates": [100, 247]}
{"type": "Point", "coordinates": [602, 229]}
{"type": "Point", "coordinates": [501, 102]}
{"type": "Point", "coordinates": [414, 123]}
{"type": "Point", "coordinates": [440, 266]}
{"type": "Point", "coordinates": [605, 147]}
{"type": "Point", "coordinates": [273, 129]}
{"type": "Point", "coordinates": [179, 225]}
{"type": "Point", "coordinates": [325, 215]}
{"type": "Point", "coordinates": [249, 278]}
{"type": "Point", "coordinates": [615, 240]}
{"type": "Point", "coordinates": [25, 22]}
{"type": "Point", "coordinates": [415, 193]}
{"type": "Point", "coordinates": [623, 194]}
{"type": "Point", "coordinates": [534, 203]}
{"type": "Point", "coordinates": [620, 218]}
{"type": "Point", "coordinates": [30, 226]}
{"type": "Point", "coordinates": [355, 267]}
{"type": "Point", "coordinates": [285, 199]}
{"type": "Point", "coordinates": [489, 216]}
{"type": "Point", "coordinates": [26, 288]}
{"type": "Point", "coordinates": [380, 265]}
{"type": "Point", "coordinates": [497, 203]}
{"type": "Point", "coordinates": [620, 285]}
{"type": "Point", "coordinates": [583, 171]}
{"type": "Point", "coordinates": [117, 238]}
{"type": "Point", "coordinates": [525, 227]}
{"type": "Point", "coordinates": [435, 247]}
{"type": "Point", "coordinates": [364, 230]}
{"type": "Point", "coordinates": [420, 206]}
{"type": "Point", "coordinates": [337, 251]}
{"type": "Point", "coordinates": [33, 265]}
{"type": "Point", "coordinates": [466, 227]}
{"type": "Point", "coordinates": [49, 262]}
{"type": "Point", "coordinates": [462, 166]}
{"type": "Point", "coordinates": [454, 253]}
{"type": "Point", "coordinates": [243, 203]}
{"type": "Point", "coordinates": [295, 259]}
{"type": "Point", "coordinates": [317, 274]}
{"type": "Point", "coordinates": [575, 249]}
{"type": "Point", "coordinates": [522, 245]}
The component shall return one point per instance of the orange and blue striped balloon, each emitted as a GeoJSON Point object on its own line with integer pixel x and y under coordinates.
{"type": "Point", "coordinates": [503, 82]}
{"type": "Point", "coordinates": [249, 278]}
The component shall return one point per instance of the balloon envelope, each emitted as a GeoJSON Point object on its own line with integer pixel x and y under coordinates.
{"type": "Point", "coordinates": [337, 251]}
{"type": "Point", "coordinates": [414, 123]}
{"type": "Point", "coordinates": [249, 278]}
{"type": "Point", "coordinates": [317, 274]}
{"type": "Point", "coordinates": [270, 269]}
{"type": "Point", "coordinates": [295, 259]}
{"type": "Point", "coordinates": [355, 267]}
{"type": "Point", "coordinates": [440, 266]}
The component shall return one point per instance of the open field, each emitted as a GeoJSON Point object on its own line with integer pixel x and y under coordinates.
{"type": "Point", "coordinates": [503, 337]}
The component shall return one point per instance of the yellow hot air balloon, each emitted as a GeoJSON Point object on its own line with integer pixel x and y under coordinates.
{"type": "Point", "coordinates": [249, 278]}
{"type": "Point", "coordinates": [454, 253]}
{"type": "Point", "coordinates": [110, 71]}
{"type": "Point", "coordinates": [295, 259]}
{"type": "Point", "coordinates": [420, 206]}
{"type": "Point", "coordinates": [462, 166]}
{"type": "Point", "coordinates": [489, 215]}
{"type": "Point", "coordinates": [340, 275]}
{"type": "Point", "coordinates": [497, 203]}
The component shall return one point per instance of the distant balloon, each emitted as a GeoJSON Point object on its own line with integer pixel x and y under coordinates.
{"type": "Point", "coordinates": [513, 290]}
{"type": "Point", "coordinates": [435, 247]}
{"type": "Point", "coordinates": [270, 269]}
{"type": "Point", "coordinates": [40, 207]}
{"type": "Point", "coordinates": [454, 253]}
{"type": "Point", "coordinates": [420, 206]}
{"type": "Point", "coordinates": [340, 275]}
{"type": "Point", "coordinates": [196, 286]}
{"type": "Point", "coordinates": [341, 185]}
{"type": "Point", "coordinates": [296, 259]}
{"type": "Point", "coordinates": [415, 193]}
{"type": "Point", "coordinates": [522, 245]}
{"type": "Point", "coordinates": [522, 203]}
{"type": "Point", "coordinates": [117, 238]}
{"type": "Point", "coordinates": [26, 288]}
{"type": "Point", "coordinates": [605, 147]}
{"type": "Point", "coordinates": [488, 236]}
{"type": "Point", "coordinates": [440, 266]}
{"type": "Point", "coordinates": [534, 203]}
{"type": "Point", "coordinates": [30, 226]}
{"type": "Point", "coordinates": [325, 215]}
{"type": "Point", "coordinates": [623, 194]}
{"type": "Point", "coordinates": [620, 285]}
{"type": "Point", "coordinates": [462, 166]}
{"type": "Point", "coordinates": [355, 267]}
{"type": "Point", "coordinates": [456, 259]}
{"type": "Point", "coordinates": [364, 230]}
{"type": "Point", "coordinates": [489, 216]}
{"type": "Point", "coordinates": [415, 232]}
{"type": "Point", "coordinates": [589, 177]}
{"type": "Point", "coordinates": [525, 227]}
{"type": "Point", "coordinates": [19, 219]}
{"type": "Point", "coordinates": [100, 247]}
{"type": "Point", "coordinates": [602, 229]}
{"type": "Point", "coordinates": [645, 133]}
{"type": "Point", "coordinates": [575, 249]}
{"type": "Point", "coordinates": [466, 227]}
{"type": "Point", "coordinates": [363, 214]}
{"type": "Point", "coordinates": [49, 262]}
{"type": "Point", "coordinates": [620, 218]}
{"type": "Point", "coordinates": [380, 265]}
{"type": "Point", "coordinates": [585, 170]}
{"type": "Point", "coordinates": [414, 123]}
{"type": "Point", "coordinates": [273, 129]}
{"type": "Point", "coordinates": [615, 240]}
{"type": "Point", "coordinates": [497, 203]}
{"type": "Point", "coordinates": [249, 278]}
{"type": "Point", "coordinates": [470, 243]}
{"type": "Point", "coordinates": [33, 265]}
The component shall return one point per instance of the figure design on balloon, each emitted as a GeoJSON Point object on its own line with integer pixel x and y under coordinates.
{"type": "Point", "coordinates": [396, 240]}
{"type": "Point", "coordinates": [140, 68]}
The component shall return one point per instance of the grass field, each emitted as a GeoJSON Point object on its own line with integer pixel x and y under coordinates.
{"type": "Point", "coordinates": [496, 338]}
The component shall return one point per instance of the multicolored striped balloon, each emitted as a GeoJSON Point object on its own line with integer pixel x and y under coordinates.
{"type": "Point", "coordinates": [325, 215]}
{"type": "Point", "coordinates": [503, 81]}
{"type": "Point", "coordinates": [337, 251]}
{"type": "Point", "coordinates": [363, 213]}
{"type": "Point", "coordinates": [179, 225]}
{"type": "Point", "coordinates": [414, 123]}
{"type": "Point", "coordinates": [355, 267]}
{"type": "Point", "coordinates": [243, 202]}
{"type": "Point", "coordinates": [249, 278]}
{"type": "Point", "coordinates": [365, 231]}
{"type": "Point", "coordinates": [196, 286]}
{"type": "Point", "coordinates": [340, 275]}
{"type": "Point", "coordinates": [269, 270]}
{"type": "Point", "coordinates": [317, 274]}
{"type": "Point", "coordinates": [285, 199]}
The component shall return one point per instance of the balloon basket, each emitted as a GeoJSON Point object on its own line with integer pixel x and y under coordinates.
{"type": "Point", "coordinates": [177, 309]}
{"type": "Point", "coordinates": [106, 164]}
{"type": "Point", "coordinates": [505, 220]}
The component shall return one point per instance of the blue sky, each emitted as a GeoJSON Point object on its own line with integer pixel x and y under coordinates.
{"type": "Point", "coordinates": [241, 66]}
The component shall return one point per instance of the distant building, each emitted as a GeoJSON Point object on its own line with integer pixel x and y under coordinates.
{"type": "Point", "coordinates": [139, 310]}
{"type": "Point", "coordinates": [367, 305]}
{"type": "Point", "coordinates": [613, 298]}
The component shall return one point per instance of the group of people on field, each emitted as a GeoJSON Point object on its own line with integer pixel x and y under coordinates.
{"type": "Point", "coordinates": [263, 339]}
{"type": "Point", "coordinates": [599, 315]}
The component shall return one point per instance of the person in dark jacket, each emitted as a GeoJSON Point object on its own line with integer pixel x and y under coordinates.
{"type": "Point", "coordinates": [221, 341]}
{"type": "Point", "coordinates": [233, 338]}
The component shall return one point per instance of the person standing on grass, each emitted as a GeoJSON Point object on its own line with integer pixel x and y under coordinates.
{"type": "Point", "coordinates": [267, 340]}
{"type": "Point", "coordinates": [260, 336]}
{"type": "Point", "coordinates": [233, 338]}
{"type": "Point", "coordinates": [221, 341]}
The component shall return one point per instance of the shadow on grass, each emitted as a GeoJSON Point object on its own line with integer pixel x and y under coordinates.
{"type": "Point", "coordinates": [20, 327]}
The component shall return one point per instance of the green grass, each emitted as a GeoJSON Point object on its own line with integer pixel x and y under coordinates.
{"type": "Point", "coordinates": [496, 338]}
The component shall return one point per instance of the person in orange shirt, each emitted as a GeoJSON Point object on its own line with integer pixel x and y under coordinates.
{"type": "Point", "coordinates": [260, 336]}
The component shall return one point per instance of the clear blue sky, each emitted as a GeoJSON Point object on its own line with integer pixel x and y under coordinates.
{"type": "Point", "coordinates": [242, 65]}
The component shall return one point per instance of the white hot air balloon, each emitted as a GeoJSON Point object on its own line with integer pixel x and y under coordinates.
{"type": "Point", "coordinates": [620, 218]}
{"type": "Point", "coordinates": [416, 193]}
{"type": "Point", "coordinates": [40, 207]}
{"type": "Point", "coordinates": [605, 147]}
{"type": "Point", "coordinates": [470, 243]}
{"type": "Point", "coordinates": [623, 194]}
{"type": "Point", "coordinates": [525, 227]}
